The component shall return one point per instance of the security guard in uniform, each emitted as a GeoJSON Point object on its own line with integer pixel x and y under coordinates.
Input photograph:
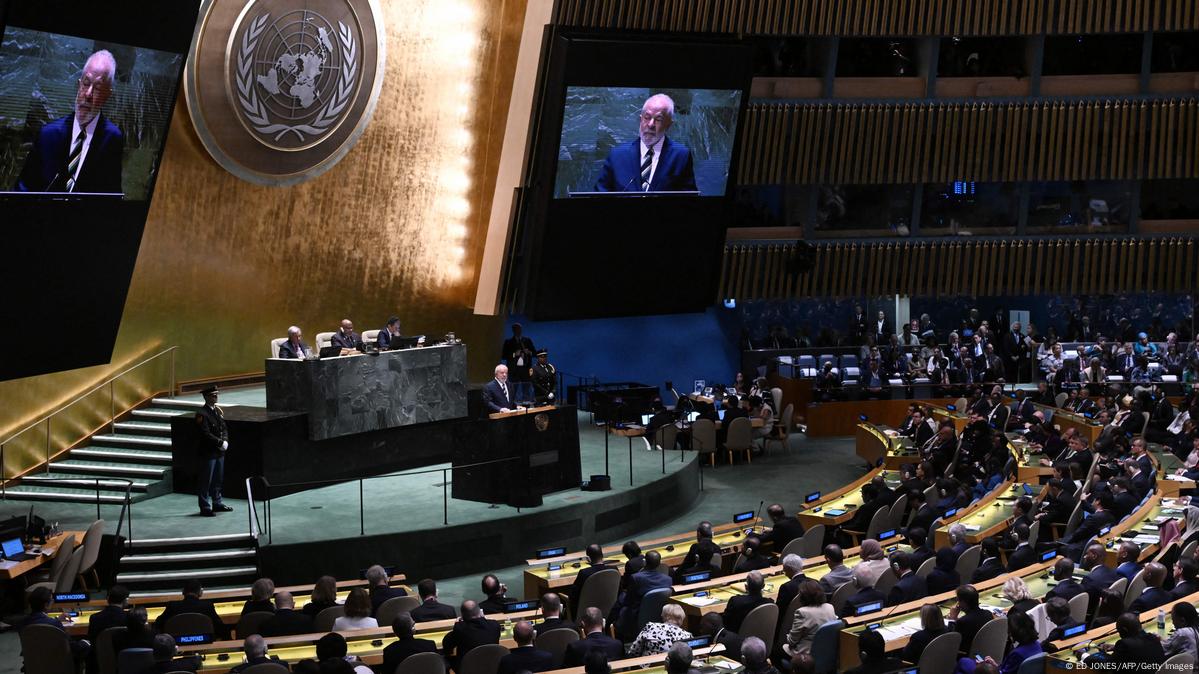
{"type": "Point", "coordinates": [214, 442]}
{"type": "Point", "coordinates": [545, 378]}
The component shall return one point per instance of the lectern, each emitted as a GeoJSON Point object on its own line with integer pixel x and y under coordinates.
{"type": "Point", "coordinates": [540, 451]}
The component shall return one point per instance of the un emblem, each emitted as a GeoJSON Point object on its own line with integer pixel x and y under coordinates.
{"type": "Point", "coordinates": [299, 80]}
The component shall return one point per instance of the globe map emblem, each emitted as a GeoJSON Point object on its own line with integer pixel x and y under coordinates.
{"type": "Point", "coordinates": [294, 76]}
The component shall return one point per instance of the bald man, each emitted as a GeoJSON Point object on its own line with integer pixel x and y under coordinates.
{"type": "Point", "coordinates": [345, 338]}
{"type": "Point", "coordinates": [82, 151]}
{"type": "Point", "coordinates": [651, 162]}
{"type": "Point", "coordinates": [471, 630]}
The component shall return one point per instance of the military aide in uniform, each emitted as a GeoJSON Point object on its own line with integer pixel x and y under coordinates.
{"type": "Point", "coordinates": [214, 442]}
{"type": "Point", "coordinates": [545, 378]}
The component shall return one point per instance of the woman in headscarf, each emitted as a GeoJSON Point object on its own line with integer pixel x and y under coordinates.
{"type": "Point", "coordinates": [873, 559]}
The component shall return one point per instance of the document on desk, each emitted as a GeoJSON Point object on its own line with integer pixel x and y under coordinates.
{"type": "Point", "coordinates": [7, 564]}
{"type": "Point", "coordinates": [701, 601]}
{"type": "Point", "coordinates": [900, 630]}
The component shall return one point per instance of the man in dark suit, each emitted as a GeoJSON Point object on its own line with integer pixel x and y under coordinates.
{"type": "Point", "coordinates": [1057, 506]}
{"type": "Point", "coordinates": [551, 615]}
{"type": "Point", "coordinates": [294, 348]}
{"type": "Point", "coordinates": [793, 570]}
{"type": "Point", "coordinates": [255, 649]}
{"type": "Point", "coordinates": [81, 152]}
{"type": "Point", "coordinates": [496, 394]}
{"type": "Point", "coordinates": [1125, 502]}
{"type": "Point", "coordinates": [517, 354]}
{"type": "Point", "coordinates": [863, 580]}
{"type": "Point", "coordinates": [471, 630]}
{"type": "Point", "coordinates": [1185, 572]}
{"type": "Point", "coordinates": [287, 620]}
{"type": "Point", "coordinates": [380, 590]}
{"type": "Point", "coordinates": [712, 625]}
{"type": "Point", "coordinates": [595, 564]}
{"type": "Point", "coordinates": [651, 162]}
{"type": "Point", "coordinates": [1136, 647]}
{"type": "Point", "coordinates": [390, 333]}
{"type": "Point", "coordinates": [1099, 576]}
{"type": "Point", "coordinates": [783, 529]}
{"type": "Point", "coordinates": [405, 645]}
{"type": "Point", "coordinates": [909, 587]}
{"type": "Point", "coordinates": [1139, 481]}
{"type": "Point", "coordinates": [1063, 573]}
{"type": "Point", "coordinates": [345, 338]}
{"type": "Point", "coordinates": [926, 513]}
{"type": "Point", "coordinates": [649, 578]}
{"type": "Point", "coordinates": [525, 657]}
{"type": "Point", "coordinates": [193, 602]}
{"type": "Point", "coordinates": [593, 639]}
{"type": "Point", "coordinates": [430, 608]}
{"type": "Point", "coordinates": [739, 606]}
{"type": "Point", "coordinates": [1153, 595]}
{"type": "Point", "coordinates": [701, 553]}
{"type": "Point", "coordinates": [752, 558]}
{"type": "Point", "coordinates": [1023, 555]}
{"type": "Point", "coordinates": [872, 502]}
{"type": "Point", "coordinates": [921, 551]}
{"type": "Point", "coordinates": [966, 617]}
{"type": "Point", "coordinates": [112, 615]}
{"type": "Point", "coordinates": [990, 566]}
{"type": "Point", "coordinates": [1091, 526]}
{"type": "Point", "coordinates": [214, 442]}
{"type": "Point", "coordinates": [496, 594]}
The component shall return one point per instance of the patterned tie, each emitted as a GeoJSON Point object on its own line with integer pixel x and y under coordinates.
{"type": "Point", "coordinates": [74, 158]}
{"type": "Point", "coordinates": [646, 165]}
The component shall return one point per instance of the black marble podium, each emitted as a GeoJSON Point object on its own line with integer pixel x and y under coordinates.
{"type": "Point", "coordinates": [369, 392]}
{"type": "Point", "coordinates": [539, 453]}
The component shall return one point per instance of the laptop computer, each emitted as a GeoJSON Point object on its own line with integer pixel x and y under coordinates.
{"type": "Point", "coordinates": [14, 550]}
{"type": "Point", "coordinates": [330, 351]}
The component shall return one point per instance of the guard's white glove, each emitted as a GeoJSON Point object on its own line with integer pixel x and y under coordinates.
{"type": "Point", "coordinates": [550, 396]}
{"type": "Point", "coordinates": [224, 445]}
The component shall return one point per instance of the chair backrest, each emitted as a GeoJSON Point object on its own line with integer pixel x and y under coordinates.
{"type": "Point", "coordinates": [422, 663]}
{"type": "Point", "coordinates": [370, 336]}
{"type": "Point", "coordinates": [813, 541]}
{"type": "Point", "coordinates": [776, 394]}
{"type": "Point", "coordinates": [106, 655]}
{"type": "Point", "coordinates": [1177, 663]}
{"type": "Point", "coordinates": [1033, 665]}
{"type": "Point", "coordinates": [266, 668]}
{"type": "Point", "coordinates": [391, 608]}
{"type": "Point", "coordinates": [1135, 588]}
{"type": "Point", "coordinates": [275, 344]}
{"type": "Point", "coordinates": [968, 562]}
{"type": "Point", "coordinates": [842, 594]}
{"type": "Point", "coordinates": [703, 436]}
{"type": "Point", "coordinates": [67, 580]}
{"type": "Point", "coordinates": [991, 639]}
{"type": "Point", "coordinates": [886, 581]}
{"type": "Point", "coordinates": [1078, 606]}
{"type": "Point", "coordinates": [555, 641]}
{"type": "Point", "coordinates": [483, 659]}
{"type": "Point", "coordinates": [600, 590]}
{"type": "Point", "coordinates": [1060, 399]}
{"type": "Point", "coordinates": [62, 557]}
{"type": "Point", "coordinates": [740, 435]}
{"type": "Point", "coordinates": [1119, 586]}
{"type": "Point", "coordinates": [324, 339]}
{"type": "Point", "coordinates": [1074, 521]}
{"type": "Point", "coordinates": [46, 650]}
{"type": "Point", "coordinates": [131, 661]}
{"type": "Point", "coordinates": [323, 622]}
{"type": "Point", "coordinates": [761, 622]}
{"type": "Point", "coordinates": [91, 547]}
{"type": "Point", "coordinates": [1189, 550]}
{"type": "Point", "coordinates": [651, 606]}
{"type": "Point", "coordinates": [960, 404]}
{"type": "Point", "coordinates": [878, 522]}
{"type": "Point", "coordinates": [895, 518]}
{"type": "Point", "coordinates": [849, 360]}
{"type": "Point", "coordinates": [666, 437]}
{"type": "Point", "coordinates": [249, 623]}
{"type": "Point", "coordinates": [824, 646]}
{"type": "Point", "coordinates": [788, 415]}
{"type": "Point", "coordinates": [1034, 532]}
{"type": "Point", "coordinates": [930, 494]}
{"type": "Point", "coordinates": [926, 567]}
{"type": "Point", "coordinates": [941, 653]}
{"type": "Point", "coordinates": [188, 623]}
{"type": "Point", "coordinates": [787, 619]}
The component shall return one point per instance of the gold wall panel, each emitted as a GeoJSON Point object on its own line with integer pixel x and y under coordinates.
{"type": "Point", "coordinates": [881, 17]}
{"type": "Point", "coordinates": [976, 268]}
{"type": "Point", "coordinates": [884, 143]}
{"type": "Point", "coordinates": [395, 228]}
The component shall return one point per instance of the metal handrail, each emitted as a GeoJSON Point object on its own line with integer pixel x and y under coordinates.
{"type": "Point", "coordinates": [126, 503]}
{"type": "Point", "coordinates": [252, 511]}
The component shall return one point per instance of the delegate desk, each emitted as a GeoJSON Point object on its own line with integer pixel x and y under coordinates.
{"type": "Point", "coordinates": [838, 507]}
{"type": "Point", "coordinates": [987, 516]}
{"type": "Point", "coordinates": [1169, 484]}
{"type": "Point", "coordinates": [1028, 461]}
{"type": "Point", "coordinates": [10, 569]}
{"type": "Point", "coordinates": [1063, 420]}
{"type": "Point", "coordinates": [1068, 655]}
{"type": "Point", "coordinates": [876, 443]}
{"type": "Point", "coordinates": [541, 445]}
{"type": "Point", "coordinates": [1142, 527]}
{"type": "Point", "coordinates": [353, 394]}
{"type": "Point", "coordinates": [959, 418]}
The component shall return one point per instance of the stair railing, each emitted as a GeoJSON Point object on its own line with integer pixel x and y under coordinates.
{"type": "Point", "coordinates": [125, 520]}
{"type": "Point", "coordinates": [23, 442]}
{"type": "Point", "coordinates": [252, 515]}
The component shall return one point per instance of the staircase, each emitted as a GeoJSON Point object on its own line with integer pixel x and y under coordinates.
{"type": "Point", "coordinates": [153, 565]}
{"type": "Point", "coordinates": [137, 449]}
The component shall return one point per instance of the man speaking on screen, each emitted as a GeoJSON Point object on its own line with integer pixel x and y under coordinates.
{"type": "Point", "coordinates": [651, 162]}
{"type": "Point", "coordinates": [82, 151]}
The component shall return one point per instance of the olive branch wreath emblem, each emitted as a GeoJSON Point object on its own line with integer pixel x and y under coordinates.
{"type": "Point", "coordinates": [254, 108]}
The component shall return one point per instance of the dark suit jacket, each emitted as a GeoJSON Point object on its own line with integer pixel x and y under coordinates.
{"type": "Point", "coordinates": [968, 624]}
{"type": "Point", "coordinates": [1099, 579]}
{"type": "Point", "coordinates": [350, 341]}
{"type": "Point", "coordinates": [1124, 505]}
{"type": "Point", "coordinates": [699, 554]}
{"type": "Point", "coordinates": [922, 554]}
{"type": "Point", "coordinates": [1091, 527]}
{"type": "Point", "coordinates": [552, 624]}
{"type": "Point", "coordinates": [432, 610]}
{"type": "Point", "coordinates": [739, 607]}
{"type": "Point", "coordinates": [924, 519]}
{"type": "Point", "coordinates": [286, 622]}
{"type": "Point", "coordinates": [46, 166]}
{"type": "Point", "coordinates": [1140, 484]}
{"type": "Point", "coordinates": [1066, 589]}
{"type": "Point", "coordinates": [642, 582]}
{"type": "Point", "coordinates": [1021, 557]}
{"type": "Point", "coordinates": [399, 650]}
{"type": "Point", "coordinates": [861, 598]}
{"type": "Point", "coordinates": [987, 570]}
{"type": "Point", "coordinates": [468, 634]}
{"type": "Point", "coordinates": [526, 658]}
{"type": "Point", "coordinates": [1057, 510]}
{"type": "Point", "coordinates": [1142, 649]}
{"type": "Point", "coordinates": [1183, 589]}
{"type": "Point", "coordinates": [787, 592]}
{"type": "Point", "coordinates": [865, 512]}
{"type": "Point", "coordinates": [286, 350]}
{"type": "Point", "coordinates": [382, 594]}
{"type": "Point", "coordinates": [576, 651]}
{"type": "Point", "coordinates": [191, 604]}
{"type": "Point", "coordinates": [109, 616]}
{"type": "Point", "coordinates": [918, 642]}
{"type": "Point", "coordinates": [1151, 598]}
{"type": "Point", "coordinates": [576, 588]}
{"type": "Point", "coordinates": [622, 169]}
{"type": "Point", "coordinates": [494, 398]}
{"type": "Point", "coordinates": [909, 588]}
{"type": "Point", "coordinates": [258, 661]}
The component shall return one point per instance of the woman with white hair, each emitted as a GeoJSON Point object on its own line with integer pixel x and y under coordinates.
{"type": "Point", "coordinates": [1015, 591]}
{"type": "Point", "coordinates": [659, 637]}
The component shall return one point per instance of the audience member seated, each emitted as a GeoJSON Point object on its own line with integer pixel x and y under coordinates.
{"type": "Point", "coordinates": [358, 613]}
{"type": "Point", "coordinates": [255, 649]}
{"type": "Point", "coordinates": [1185, 583]}
{"type": "Point", "coordinates": [699, 556]}
{"type": "Point", "coordinates": [1136, 648]}
{"type": "Point", "coordinates": [260, 597]}
{"type": "Point", "coordinates": [380, 591]}
{"type": "Point", "coordinates": [872, 651]}
{"type": "Point", "coordinates": [165, 661]}
{"type": "Point", "coordinates": [814, 610]}
{"type": "Point", "coordinates": [793, 570]}
{"type": "Point", "coordinates": [678, 659]}
{"type": "Point", "coordinates": [1066, 588]}
{"type": "Point", "coordinates": [1023, 555]}
{"type": "Point", "coordinates": [966, 618]}
{"type": "Point", "coordinates": [193, 602]}
{"type": "Point", "coordinates": [594, 641]}
{"type": "Point", "coordinates": [866, 595]}
{"type": "Point", "coordinates": [944, 576]}
{"type": "Point", "coordinates": [496, 593]}
{"type": "Point", "coordinates": [990, 566]}
{"type": "Point", "coordinates": [324, 595]}
{"type": "Point", "coordinates": [430, 608]}
{"type": "Point", "coordinates": [1153, 595]}
{"type": "Point", "coordinates": [932, 625]}
{"type": "Point", "coordinates": [1111, 605]}
{"type": "Point", "coordinates": [1185, 637]}
{"type": "Point", "coordinates": [287, 620]}
{"type": "Point", "coordinates": [649, 578]}
{"type": "Point", "coordinates": [551, 614]}
{"type": "Point", "coordinates": [754, 656]}
{"type": "Point", "coordinates": [112, 615]}
{"type": "Point", "coordinates": [1016, 591]}
{"type": "Point", "coordinates": [331, 654]}
{"type": "Point", "coordinates": [1023, 635]}
{"type": "Point", "coordinates": [739, 606]}
{"type": "Point", "coordinates": [1099, 576]}
{"type": "Point", "coordinates": [405, 644]}
{"type": "Point", "coordinates": [40, 599]}
{"type": "Point", "coordinates": [1058, 612]}
{"type": "Point", "coordinates": [873, 560]}
{"type": "Point", "coordinates": [525, 657]}
{"type": "Point", "coordinates": [909, 586]}
{"type": "Point", "coordinates": [658, 637]}
{"type": "Point", "coordinates": [752, 558]}
{"type": "Point", "coordinates": [838, 574]}
{"type": "Point", "coordinates": [595, 564]}
{"type": "Point", "coordinates": [1126, 560]}
{"type": "Point", "coordinates": [137, 634]}
{"type": "Point", "coordinates": [712, 625]}
{"type": "Point", "coordinates": [783, 529]}
{"type": "Point", "coordinates": [921, 551]}
{"type": "Point", "coordinates": [472, 629]}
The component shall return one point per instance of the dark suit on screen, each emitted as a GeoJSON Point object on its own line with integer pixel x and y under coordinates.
{"type": "Point", "coordinates": [46, 166]}
{"type": "Point", "coordinates": [622, 169]}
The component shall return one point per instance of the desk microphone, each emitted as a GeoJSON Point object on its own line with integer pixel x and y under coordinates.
{"type": "Point", "coordinates": [759, 513]}
{"type": "Point", "coordinates": [712, 646]}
